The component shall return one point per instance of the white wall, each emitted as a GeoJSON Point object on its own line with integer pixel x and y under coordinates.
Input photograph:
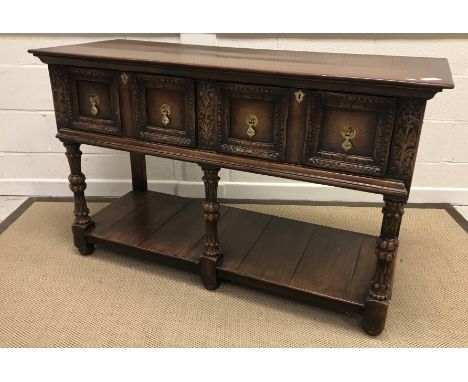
{"type": "Point", "coordinates": [32, 160]}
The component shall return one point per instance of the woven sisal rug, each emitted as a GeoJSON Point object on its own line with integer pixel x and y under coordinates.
{"type": "Point", "coordinates": [50, 296]}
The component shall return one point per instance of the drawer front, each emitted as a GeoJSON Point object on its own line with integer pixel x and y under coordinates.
{"type": "Point", "coordinates": [253, 120]}
{"type": "Point", "coordinates": [86, 99]}
{"type": "Point", "coordinates": [349, 132]}
{"type": "Point", "coordinates": [164, 109]}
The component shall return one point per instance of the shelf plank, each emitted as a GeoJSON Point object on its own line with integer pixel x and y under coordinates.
{"type": "Point", "coordinates": [277, 252]}
{"type": "Point", "coordinates": [328, 262]}
{"type": "Point", "coordinates": [285, 256]}
{"type": "Point", "coordinates": [180, 233]}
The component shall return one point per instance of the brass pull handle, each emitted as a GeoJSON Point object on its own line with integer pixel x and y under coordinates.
{"type": "Point", "coordinates": [348, 133]}
{"type": "Point", "coordinates": [166, 112]}
{"type": "Point", "coordinates": [252, 122]}
{"type": "Point", "coordinates": [94, 102]}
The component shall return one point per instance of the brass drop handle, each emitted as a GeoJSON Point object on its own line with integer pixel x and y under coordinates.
{"type": "Point", "coordinates": [348, 133]}
{"type": "Point", "coordinates": [94, 102]}
{"type": "Point", "coordinates": [252, 122]}
{"type": "Point", "coordinates": [166, 112]}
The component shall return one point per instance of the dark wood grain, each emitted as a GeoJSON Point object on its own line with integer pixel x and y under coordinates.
{"type": "Point", "coordinates": [420, 71]}
{"type": "Point", "coordinates": [277, 254]}
{"type": "Point", "coordinates": [138, 167]}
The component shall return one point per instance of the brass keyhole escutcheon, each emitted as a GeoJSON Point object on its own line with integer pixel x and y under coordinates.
{"type": "Point", "coordinates": [94, 102]}
{"type": "Point", "coordinates": [348, 133]}
{"type": "Point", "coordinates": [166, 112]}
{"type": "Point", "coordinates": [299, 96]}
{"type": "Point", "coordinates": [252, 122]}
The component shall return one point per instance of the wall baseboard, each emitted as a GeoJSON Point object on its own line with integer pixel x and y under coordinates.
{"type": "Point", "coordinates": [231, 190]}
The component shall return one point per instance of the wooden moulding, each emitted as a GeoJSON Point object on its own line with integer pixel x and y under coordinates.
{"type": "Point", "coordinates": [284, 170]}
{"type": "Point", "coordinates": [311, 263]}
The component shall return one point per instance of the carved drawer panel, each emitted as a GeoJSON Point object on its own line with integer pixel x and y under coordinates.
{"type": "Point", "coordinates": [164, 109]}
{"type": "Point", "coordinates": [349, 132]}
{"type": "Point", "coordinates": [86, 99]}
{"type": "Point", "coordinates": [253, 120]}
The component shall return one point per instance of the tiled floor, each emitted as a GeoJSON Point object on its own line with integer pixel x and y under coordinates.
{"type": "Point", "coordinates": [463, 210]}
{"type": "Point", "coordinates": [8, 204]}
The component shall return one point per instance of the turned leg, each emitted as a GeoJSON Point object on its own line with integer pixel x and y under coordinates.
{"type": "Point", "coordinates": [210, 255]}
{"type": "Point", "coordinates": [77, 186]}
{"type": "Point", "coordinates": [381, 285]}
{"type": "Point", "coordinates": [138, 166]}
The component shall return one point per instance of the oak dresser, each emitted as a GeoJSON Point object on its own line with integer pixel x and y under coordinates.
{"type": "Point", "coordinates": [343, 120]}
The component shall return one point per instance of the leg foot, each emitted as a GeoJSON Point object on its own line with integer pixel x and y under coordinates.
{"type": "Point", "coordinates": [375, 315]}
{"type": "Point", "coordinates": [80, 241]}
{"type": "Point", "coordinates": [208, 272]}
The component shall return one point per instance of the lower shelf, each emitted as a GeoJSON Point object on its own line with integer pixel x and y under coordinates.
{"type": "Point", "coordinates": [295, 259]}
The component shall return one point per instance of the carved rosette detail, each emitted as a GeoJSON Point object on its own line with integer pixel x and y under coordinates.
{"type": "Point", "coordinates": [406, 138]}
{"type": "Point", "coordinates": [77, 184]}
{"type": "Point", "coordinates": [207, 135]}
{"type": "Point", "coordinates": [211, 211]}
{"type": "Point", "coordinates": [386, 251]}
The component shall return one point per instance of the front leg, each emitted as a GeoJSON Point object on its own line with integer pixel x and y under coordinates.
{"type": "Point", "coordinates": [77, 186]}
{"type": "Point", "coordinates": [381, 285]}
{"type": "Point", "coordinates": [211, 255]}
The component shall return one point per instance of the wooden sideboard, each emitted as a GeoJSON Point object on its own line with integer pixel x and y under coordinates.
{"type": "Point", "coordinates": [343, 120]}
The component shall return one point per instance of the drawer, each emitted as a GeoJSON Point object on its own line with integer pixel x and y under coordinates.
{"type": "Point", "coordinates": [164, 109]}
{"type": "Point", "coordinates": [86, 99]}
{"type": "Point", "coordinates": [349, 132]}
{"type": "Point", "coordinates": [253, 120]}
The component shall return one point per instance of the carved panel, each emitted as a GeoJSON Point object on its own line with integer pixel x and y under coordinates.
{"type": "Point", "coordinates": [61, 95]}
{"type": "Point", "coordinates": [371, 117]}
{"type": "Point", "coordinates": [406, 138]}
{"type": "Point", "coordinates": [272, 103]}
{"type": "Point", "coordinates": [100, 83]}
{"type": "Point", "coordinates": [181, 92]}
{"type": "Point", "coordinates": [208, 134]}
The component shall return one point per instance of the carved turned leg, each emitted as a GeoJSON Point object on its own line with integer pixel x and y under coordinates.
{"type": "Point", "coordinates": [381, 285]}
{"type": "Point", "coordinates": [81, 211]}
{"type": "Point", "coordinates": [210, 255]}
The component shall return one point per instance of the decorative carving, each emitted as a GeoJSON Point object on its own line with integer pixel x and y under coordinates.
{"type": "Point", "coordinates": [347, 166]}
{"type": "Point", "coordinates": [252, 150]}
{"type": "Point", "coordinates": [384, 107]}
{"type": "Point", "coordinates": [210, 255]}
{"type": "Point", "coordinates": [211, 210]}
{"type": "Point", "coordinates": [207, 114]}
{"type": "Point", "coordinates": [406, 138]}
{"type": "Point", "coordinates": [77, 184]}
{"type": "Point", "coordinates": [386, 251]}
{"type": "Point", "coordinates": [278, 97]}
{"type": "Point", "coordinates": [163, 133]}
{"type": "Point", "coordinates": [61, 95]}
{"type": "Point", "coordinates": [66, 100]}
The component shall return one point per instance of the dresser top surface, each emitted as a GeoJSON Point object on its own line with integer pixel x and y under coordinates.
{"type": "Point", "coordinates": [398, 70]}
